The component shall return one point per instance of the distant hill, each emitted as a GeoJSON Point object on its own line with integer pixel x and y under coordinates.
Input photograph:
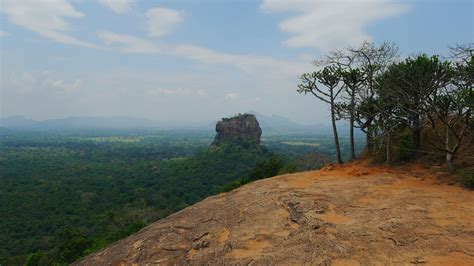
{"type": "Point", "coordinates": [22, 123]}
{"type": "Point", "coordinates": [268, 123]}
{"type": "Point", "coordinates": [18, 122]}
{"type": "Point", "coordinates": [279, 123]}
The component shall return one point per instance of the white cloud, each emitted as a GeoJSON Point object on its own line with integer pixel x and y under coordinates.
{"type": "Point", "coordinates": [231, 96]}
{"type": "Point", "coordinates": [63, 86]}
{"type": "Point", "coordinates": [127, 43]}
{"type": "Point", "coordinates": [46, 18]}
{"type": "Point", "coordinates": [136, 91]}
{"type": "Point", "coordinates": [177, 92]}
{"type": "Point", "coordinates": [3, 33]}
{"type": "Point", "coordinates": [202, 93]}
{"type": "Point", "coordinates": [262, 66]}
{"type": "Point", "coordinates": [327, 24]}
{"type": "Point", "coordinates": [41, 82]}
{"type": "Point", "coordinates": [162, 20]}
{"type": "Point", "coordinates": [119, 6]}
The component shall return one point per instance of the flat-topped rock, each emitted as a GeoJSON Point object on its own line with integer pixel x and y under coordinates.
{"type": "Point", "coordinates": [241, 128]}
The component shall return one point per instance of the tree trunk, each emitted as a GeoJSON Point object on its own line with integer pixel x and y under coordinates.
{"type": "Point", "coordinates": [449, 161]}
{"type": "Point", "coordinates": [334, 131]}
{"type": "Point", "coordinates": [449, 155]}
{"type": "Point", "coordinates": [351, 132]}
{"type": "Point", "coordinates": [368, 140]}
{"type": "Point", "coordinates": [416, 132]}
{"type": "Point", "coordinates": [417, 139]}
{"type": "Point", "coordinates": [388, 149]}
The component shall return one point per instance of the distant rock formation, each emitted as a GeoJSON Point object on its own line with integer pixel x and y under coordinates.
{"type": "Point", "coordinates": [242, 128]}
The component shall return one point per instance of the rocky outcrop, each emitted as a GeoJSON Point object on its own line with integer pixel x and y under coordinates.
{"type": "Point", "coordinates": [385, 216]}
{"type": "Point", "coordinates": [239, 129]}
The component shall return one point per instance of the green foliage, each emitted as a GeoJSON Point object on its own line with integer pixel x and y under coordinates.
{"type": "Point", "coordinates": [464, 79]}
{"type": "Point", "coordinates": [97, 243]}
{"type": "Point", "coordinates": [410, 84]}
{"type": "Point", "coordinates": [236, 184]}
{"type": "Point", "coordinates": [382, 96]}
{"type": "Point", "coordinates": [406, 148]}
{"type": "Point", "coordinates": [37, 258]}
{"type": "Point", "coordinates": [268, 167]}
{"type": "Point", "coordinates": [69, 244]}
{"type": "Point", "coordinates": [329, 76]}
{"type": "Point", "coordinates": [107, 184]}
{"type": "Point", "coordinates": [414, 78]}
{"type": "Point", "coordinates": [467, 177]}
{"type": "Point", "coordinates": [242, 142]}
{"type": "Point", "coordinates": [64, 195]}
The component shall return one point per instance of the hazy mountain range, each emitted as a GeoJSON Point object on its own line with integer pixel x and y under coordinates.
{"type": "Point", "coordinates": [273, 123]}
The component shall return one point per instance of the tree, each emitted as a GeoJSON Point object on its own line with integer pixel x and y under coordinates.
{"type": "Point", "coordinates": [343, 60]}
{"type": "Point", "coordinates": [449, 110]}
{"type": "Point", "coordinates": [266, 168]}
{"type": "Point", "coordinates": [360, 67]}
{"type": "Point", "coordinates": [463, 57]}
{"type": "Point", "coordinates": [386, 121]}
{"type": "Point", "coordinates": [353, 80]}
{"type": "Point", "coordinates": [329, 77]}
{"type": "Point", "coordinates": [365, 116]}
{"type": "Point", "coordinates": [70, 244]}
{"type": "Point", "coordinates": [409, 84]}
{"type": "Point", "coordinates": [373, 60]}
{"type": "Point", "coordinates": [452, 105]}
{"type": "Point", "coordinates": [461, 53]}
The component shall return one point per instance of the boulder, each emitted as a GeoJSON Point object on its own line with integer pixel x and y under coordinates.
{"type": "Point", "coordinates": [243, 128]}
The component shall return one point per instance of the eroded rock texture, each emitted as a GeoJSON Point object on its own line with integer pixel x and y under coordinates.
{"type": "Point", "coordinates": [340, 215]}
{"type": "Point", "coordinates": [240, 129]}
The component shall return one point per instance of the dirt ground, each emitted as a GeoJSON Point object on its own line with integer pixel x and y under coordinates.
{"type": "Point", "coordinates": [341, 215]}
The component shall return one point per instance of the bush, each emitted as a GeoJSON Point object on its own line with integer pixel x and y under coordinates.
{"type": "Point", "coordinates": [467, 178]}
{"type": "Point", "coordinates": [37, 258]}
{"type": "Point", "coordinates": [70, 243]}
{"type": "Point", "coordinates": [235, 184]}
{"type": "Point", "coordinates": [406, 148]}
{"type": "Point", "coordinates": [268, 167]}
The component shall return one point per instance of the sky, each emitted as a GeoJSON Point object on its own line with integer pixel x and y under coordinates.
{"type": "Point", "coordinates": [190, 60]}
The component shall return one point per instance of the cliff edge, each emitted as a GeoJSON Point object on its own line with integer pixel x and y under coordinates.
{"type": "Point", "coordinates": [340, 215]}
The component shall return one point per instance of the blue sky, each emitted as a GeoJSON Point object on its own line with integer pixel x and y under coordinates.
{"type": "Point", "coordinates": [197, 60]}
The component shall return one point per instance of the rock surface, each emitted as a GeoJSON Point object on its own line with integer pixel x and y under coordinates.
{"type": "Point", "coordinates": [340, 215]}
{"type": "Point", "coordinates": [240, 128]}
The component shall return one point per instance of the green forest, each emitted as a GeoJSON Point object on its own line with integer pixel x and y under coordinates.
{"type": "Point", "coordinates": [415, 105]}
{"type": "Point", "coordinates": [66, 194]}
{"type": "Point", "coordinates": [239, 132]}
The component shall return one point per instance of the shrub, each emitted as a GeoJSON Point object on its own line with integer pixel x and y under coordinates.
{"type": "Point", "coordinates": [406, 148]}
{"type": "Point", "coordinates": [70, 243]}
{"type": "Point", "coordinates": [268, 167]}
{"type": "Point", "coordinates": [467, 178]}
{"type": "Point", "coordinates": [37, 258]}
{"type": "Point", "coordinates": [235, 184]}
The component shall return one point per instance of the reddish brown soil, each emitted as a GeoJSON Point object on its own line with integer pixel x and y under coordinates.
{"type": "Point", "coordinates": [341, 215]}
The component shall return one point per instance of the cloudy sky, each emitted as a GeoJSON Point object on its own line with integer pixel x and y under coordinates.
{"type": "Point", "coordinates": [190, 60]}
